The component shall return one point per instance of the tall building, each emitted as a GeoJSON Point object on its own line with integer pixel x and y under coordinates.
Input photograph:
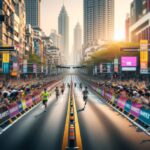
{"type": "Point", "coordinates": [21, 13]}
{"type": "Point", "coordinates": [56, 38]}
{"type": "Point", "coordinates": [127, 26]}
{"type": "Point", "coordinates": [98, 21]}
{"type": "Point", "coordinates": [33, 12]}
{"type": "Point", "coordinates": [77, 43]}
{"type": "Point", "coordinates": [140, 20]}
{"type": "Point", "coordinates": [136, 10]}
{"type": "Point", "coordinates": [63, 29]}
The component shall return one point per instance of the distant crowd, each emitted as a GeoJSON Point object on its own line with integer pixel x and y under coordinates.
{"type": "Point", "coordinates": [13, 91]}
{"type": "Point", "coordinates": [137, 91]}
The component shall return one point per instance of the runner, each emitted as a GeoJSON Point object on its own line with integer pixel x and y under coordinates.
{"type": "Point", "coordinates": [57, 92]}
{"type": "Point", "coordinates": [62, 89]}
{"type": "Point", "coordinates": [80, 86]}
{"type": "Point", "coordinates": [75, 84]}
{"type": "Point", "coordinates": [68, 85]}
{"type": "Point", "coordinates": [45, 95]}
{"type": "Point", "coordinates": [85, 96]}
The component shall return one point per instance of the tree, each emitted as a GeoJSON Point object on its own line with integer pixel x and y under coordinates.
{"type": "Point", "coordinates": [112, 51]}
{"type": "Point", "coordinates": [33, 58]}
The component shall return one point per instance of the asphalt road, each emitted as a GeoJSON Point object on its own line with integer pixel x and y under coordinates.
{"type": "Point", "coordinates": [102, 128]}
{"type": "Point", "coordinates": [38, 130]}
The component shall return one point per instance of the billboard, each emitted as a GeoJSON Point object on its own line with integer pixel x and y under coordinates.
{"type": "Point", "coordinates": [128, 61]}
{"type": "Point", "coordinates": [116, 65]}
{"type": "Point", "coordinates": [144, 56]}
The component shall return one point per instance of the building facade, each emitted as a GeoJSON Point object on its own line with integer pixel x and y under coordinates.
{"type": "Point", "coordinates": [140, 22]}
{"type": "Point", "coordinates": [127, 26]}
{"type": "Point", "coordinates": [56, 38]}
{"type": "Point", "coordinates": [29, 39]}
{"type": "Point", "coordinates": [63, 30]}
{"type": "Point", "coordinates": [77, 43]}
{"type": "Point", "coordinates": [21, 13]}
{"type": "Point", "coordinates": [98, 21]}
{"type": "Point", "coordinates": [33, 12]}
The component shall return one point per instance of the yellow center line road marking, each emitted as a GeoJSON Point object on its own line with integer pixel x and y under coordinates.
{"type": "Point", "coordinates": [66, 131]}
{"type": "Point", "coordinates": [77, 128]}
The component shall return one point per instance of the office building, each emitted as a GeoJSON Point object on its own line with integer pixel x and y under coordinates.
{"type": "Point", "coordinates": [33, 12]}
{"type": "Point", "coordinates": [77, 43]}
{"type": "Point", "coordinates": [98, 21]}
{"type": "Point", "coordinates": [140, 20]}
{"type": "Point", "coordinates": [63, 30]}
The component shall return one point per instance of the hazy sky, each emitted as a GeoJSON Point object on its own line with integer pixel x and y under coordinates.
{"type": "Point", "coordinates": [51, 8]}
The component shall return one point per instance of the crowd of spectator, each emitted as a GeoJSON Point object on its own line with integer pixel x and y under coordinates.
{"type": "Point", "coordinates": [136, 91]}
{"type": "Point", "coordinates": [13, 91]}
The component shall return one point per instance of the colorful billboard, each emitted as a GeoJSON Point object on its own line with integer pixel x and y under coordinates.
{"type": "Point", "coordinates": [144, 56]}
{"type": "Point", "coordinates": [128, 61]}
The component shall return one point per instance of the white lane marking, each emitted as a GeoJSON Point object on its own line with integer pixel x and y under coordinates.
{"type": "Point", "coordinates": [7, 127]}
{"type": "Point", "coordinates": [139, 126]}
{"type": "Point", "coordinates": [100, 98]}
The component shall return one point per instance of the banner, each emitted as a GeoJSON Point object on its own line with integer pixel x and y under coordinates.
{"type": "Point", "coordinates": [101, 68]}
{"type": "Point", "coordinates": [13, 110]}
{"type": "Point", "coordinates": [4, 114]}
{"type": "Point", "coordinates": [135, 109]}
{"type": "Point", "coordinates": [108, 96]}
{"type": "Point", "coordinates": [5, 68]}
{"type": "Point", "coordinates": [25, 68]}
{"type": "Point", "coordinates": [103, 93]}
{"type": "Point", "coordinates": [20, 107]}
{"type": "Point", "coordinates": [116, 65]}
{"type": "Point", "coordinates": [37, 98]}
{"type": "Point", "coordinates": [15, 66]}
{"type": "Point", "coordinates": [121, 102]}
{"type": "Point", "coordinates": [113, 99]}
{"type": "Point", "coordinates": [145, 116]}
{"type": "Point", "coordinates": [34, 68]}
{"type": "Point", "coordinates": [6, 58]}
{"type": "Point", "coordinates": [29, 102]}
{"type": "Point", "coordinates": [108, 68]}
{"type": "Point", "coordinates": [128, 105]}
{"type": "Point", "coordinates": [99, 91]}
{"type": "Point", "coordinates": [24, 106]}
{"type": "Point", "coordinates": [144, 56]}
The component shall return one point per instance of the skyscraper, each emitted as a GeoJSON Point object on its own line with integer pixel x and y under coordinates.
{"type": "Point", "coordinates": [77, 43]}
{"type": "Point", "coordinates": [33, 12]}
{"type": "Point", "coordinates": [63, 29]}
{"type": "Point", "coordinates": [98, 21]}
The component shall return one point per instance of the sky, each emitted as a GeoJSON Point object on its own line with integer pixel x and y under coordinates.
{"type": "Point", "coordinates": [50, 10]}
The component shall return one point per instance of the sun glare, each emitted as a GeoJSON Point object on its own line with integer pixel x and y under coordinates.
{"type": "Point", "coordinates": [119, 36]}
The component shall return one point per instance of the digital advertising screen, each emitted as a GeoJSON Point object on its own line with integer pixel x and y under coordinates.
{"type": "Point", "coordinates": [127, 61]}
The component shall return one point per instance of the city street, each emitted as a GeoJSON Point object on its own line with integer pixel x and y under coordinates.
{"type": "Point", "coordinates": [101, 127]}
{"type": "Point", "coordinates": [74, 75]}
{"type": "Point", "coordinates": [38, 130]}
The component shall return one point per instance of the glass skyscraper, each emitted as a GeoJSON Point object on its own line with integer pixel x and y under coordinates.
{"type": "Point", "coordinates": [33, 12]}
{"type": "Point", "coordinates": [63, 30]}
{"type": "Point", "coordinates": [98, 21]}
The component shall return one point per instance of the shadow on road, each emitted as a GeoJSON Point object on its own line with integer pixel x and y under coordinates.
{"type": "Point", "coordinates": [80, 110]}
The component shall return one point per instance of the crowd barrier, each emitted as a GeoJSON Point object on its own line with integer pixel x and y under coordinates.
{"type": "Point", "coordinates": [21, 106]}
{"type": "Point", "coordinates": [132, 108]}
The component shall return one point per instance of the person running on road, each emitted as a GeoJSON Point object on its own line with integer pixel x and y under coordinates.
{"type": "Point", "coordinates": [45, 95]}
{"type": "Point", "coordinates": [75, 84]}
{"type": "Point", "coordinates": [85, 96]}
{"type": "Point", "coordinates": [68, 85]}
{"type": "Point", "coordinates": [57, 92]}
{"type": "Point", "coordinates": [62, 89]}
{"type": "Point", "coordinates": [80, 86]}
